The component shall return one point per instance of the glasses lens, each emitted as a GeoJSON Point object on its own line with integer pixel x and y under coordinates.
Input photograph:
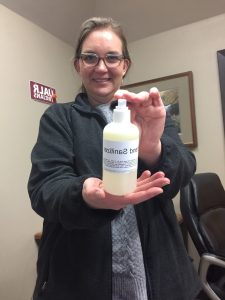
{"type": "Point", "coordinates": [89, 59]}
{"type": "Point", "coordinates": [113, 60]}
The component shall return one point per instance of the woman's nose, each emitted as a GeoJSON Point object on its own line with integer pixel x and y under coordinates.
{"type": "Point", "coordinates": [101, 64]}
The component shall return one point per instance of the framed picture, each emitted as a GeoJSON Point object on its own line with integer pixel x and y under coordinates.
{"type": "Point", "coordinates": [221, 66]}
{"type": "Point", "coordinates": [178, 96]}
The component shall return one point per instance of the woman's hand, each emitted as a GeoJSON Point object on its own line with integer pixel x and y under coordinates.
{"type": "Point", "coordinates": [148, 113]}
{"type": "Point", "coordinates": [148, 186]}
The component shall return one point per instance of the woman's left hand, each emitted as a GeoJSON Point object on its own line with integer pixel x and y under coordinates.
{"type": "Point", "coordinates": [148, 113]}
{"type": "Point", "coordinates": [148, 186]}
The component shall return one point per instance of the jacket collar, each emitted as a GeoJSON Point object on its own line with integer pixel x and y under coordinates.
{"type": "Point", "coordinates": [82, 104]}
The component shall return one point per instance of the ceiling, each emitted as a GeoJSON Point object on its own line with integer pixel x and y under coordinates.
{"type": "Point", "coordinates": [139, 18]}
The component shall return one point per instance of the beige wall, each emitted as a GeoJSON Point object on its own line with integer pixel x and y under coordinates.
{"type": "Point", "coordinates": [30, 53]}
{"type": "Point", "coordinates": [26, 53]}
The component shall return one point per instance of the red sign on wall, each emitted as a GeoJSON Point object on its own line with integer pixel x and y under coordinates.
{"type": "Point", "coordinates": [42, 93]}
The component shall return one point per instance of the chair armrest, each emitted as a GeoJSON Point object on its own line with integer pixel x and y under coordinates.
{"type": "Point", "coordinates": [206, 261]}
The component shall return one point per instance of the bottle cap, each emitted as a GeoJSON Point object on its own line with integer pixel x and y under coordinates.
{"type": "Point", "coordinates": [121, 113]}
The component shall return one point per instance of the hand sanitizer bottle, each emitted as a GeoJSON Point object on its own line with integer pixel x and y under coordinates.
{"type": "Point", "coordinates": [120, 152]}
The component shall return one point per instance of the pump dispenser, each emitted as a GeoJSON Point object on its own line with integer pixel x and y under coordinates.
{"type": "Point", "coordinates": [120, 152]}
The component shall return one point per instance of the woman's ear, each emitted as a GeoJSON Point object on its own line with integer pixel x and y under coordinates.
{"type": "Point", "coordinates": [77, 65]}
{"type": "Point", "coordinates": [125, 67]}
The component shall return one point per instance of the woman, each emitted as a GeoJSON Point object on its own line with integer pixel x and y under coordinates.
{"type": "Point", "coordinates": [96, 246]}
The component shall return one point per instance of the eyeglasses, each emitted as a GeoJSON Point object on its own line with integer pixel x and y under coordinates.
{"type": "Point", "coordinates": [110, 60]}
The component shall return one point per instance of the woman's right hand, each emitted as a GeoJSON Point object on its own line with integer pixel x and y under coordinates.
{"type": "Point", "coordinates": [148, 186]}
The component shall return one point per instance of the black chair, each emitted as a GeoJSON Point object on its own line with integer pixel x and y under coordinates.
{"type": "Point", "coordinates": [202, 204]}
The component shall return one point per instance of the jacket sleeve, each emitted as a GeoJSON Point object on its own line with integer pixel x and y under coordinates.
{"type": "Point", "coordinates": [54, 188]}
{"type": "Point", "coordinates": [177, 161]}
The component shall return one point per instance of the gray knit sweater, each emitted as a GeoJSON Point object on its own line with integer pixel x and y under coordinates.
{"type": "Point", "coordinates": [128, 273]}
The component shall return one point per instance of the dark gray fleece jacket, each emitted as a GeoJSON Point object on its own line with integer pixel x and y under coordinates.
{"type": "Point", "coordinates": [75, 254]}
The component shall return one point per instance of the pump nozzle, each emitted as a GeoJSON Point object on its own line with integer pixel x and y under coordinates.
{"type": "Point", "coordinates": [121, 113]}
{"type": "Point", "coordinates": [122, 104]}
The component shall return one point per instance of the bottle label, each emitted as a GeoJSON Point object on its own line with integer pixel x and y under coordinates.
{"type": "Point", "coordinates": [120, 156]}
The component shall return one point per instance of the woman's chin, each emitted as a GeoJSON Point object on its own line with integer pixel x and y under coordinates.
{"type": "Point", "coordinates": [105, 93]}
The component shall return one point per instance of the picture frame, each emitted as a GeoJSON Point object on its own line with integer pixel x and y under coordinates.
{"type": "Point", "coordinates": [177, 93]}
{"type": "Point", "coordinates": [221, 68]}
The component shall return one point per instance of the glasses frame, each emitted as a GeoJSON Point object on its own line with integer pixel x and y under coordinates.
{"type": "Point", "coordinates": [107, 64]}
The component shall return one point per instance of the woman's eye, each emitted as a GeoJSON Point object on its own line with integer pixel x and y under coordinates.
{"type": "Point", "coordinates": [90, 58]}
{"type": "Point", "coordinates": [112, 58]}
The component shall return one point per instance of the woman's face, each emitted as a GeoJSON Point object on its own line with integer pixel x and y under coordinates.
{"type": "Point", "coordinates": [100, 81]}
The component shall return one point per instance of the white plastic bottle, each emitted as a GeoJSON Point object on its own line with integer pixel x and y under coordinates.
{"type": "Point", "coordinates": [120, 152]}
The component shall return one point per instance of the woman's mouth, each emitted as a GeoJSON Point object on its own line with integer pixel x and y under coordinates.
{"type": "Point", "coordinates": [101, 80]}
